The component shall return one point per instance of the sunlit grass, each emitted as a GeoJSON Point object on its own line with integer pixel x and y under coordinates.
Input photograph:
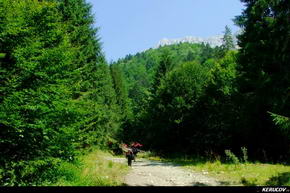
{"type": "Point", "coordinates": [243, 173]}
{"type": "Point", "coordinates": [92, 169]}
{"type": "Point", "coordinates": [248, 174]}
{"type": "Point", "coordinates": [149, 155]}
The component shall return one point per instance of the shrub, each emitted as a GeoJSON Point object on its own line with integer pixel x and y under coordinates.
{"type": "Point", "coordinates": [245, 154]}
{"type": "Point", "coordinates": [231, 157]}
{"type": "Point", "coordinates": [32, 172]}
{"type": "Point", "coordinates": [249, 181]}
{"type": "Point", "coordinates": [282, 179]}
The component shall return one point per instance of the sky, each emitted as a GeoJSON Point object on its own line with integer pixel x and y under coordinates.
{"type": "Point", "coordinates": [131, 26]}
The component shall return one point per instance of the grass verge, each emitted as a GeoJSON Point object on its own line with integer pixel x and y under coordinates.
{"type": "Point", "coordinates": [91, 169]}
{"type": "Point", "coordinates": [247, 174]}
{"type": "Point", "coordinates": [149, 155]}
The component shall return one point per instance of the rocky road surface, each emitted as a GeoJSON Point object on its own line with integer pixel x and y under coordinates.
{"type": "Point", "coordinates": [155, 173]}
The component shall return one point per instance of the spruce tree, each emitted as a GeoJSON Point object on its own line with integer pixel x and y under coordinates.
{"type": "Point", "coordinates": [228, 42]}
{"type": "Point", "coordinates": [164, 65]}
{"type": "Point", "coordinates": [264, 70]}
{"type": "Point", "coordinates": [93, 91]}
{"type": "Point", "coordinates": [34, 92]}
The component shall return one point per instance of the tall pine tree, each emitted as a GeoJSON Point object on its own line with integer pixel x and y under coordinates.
{"type": "Point", "coordinates": [91, 80]}
{"type": "Point", "coordinates": [265, 71]}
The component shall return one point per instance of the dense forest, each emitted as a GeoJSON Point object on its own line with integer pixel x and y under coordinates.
{"type": "Point", "coordinates": [195, 99]}
{"type": "Point", "coordinates": [58, 94]}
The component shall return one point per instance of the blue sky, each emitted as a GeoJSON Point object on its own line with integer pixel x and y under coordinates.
{"type": "Point", "coordinates": [131, 26]}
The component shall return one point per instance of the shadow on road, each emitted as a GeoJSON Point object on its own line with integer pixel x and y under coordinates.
{"type": "Point", "coordinates": [199, 184]}
{"type": "Point", "coordinates": [157, 164]}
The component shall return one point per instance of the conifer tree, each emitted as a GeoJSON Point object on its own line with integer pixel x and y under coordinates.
{"type": "Point", "coordinates": [164, 65]}
{"type": "Point", "coordinates": [264, 68]}
{"type": "Point", "coordinates": [34, 92]}
{"type": "Point", "coordinates": [91, 79]}
{"type": "Point", "coordinates": [228, 42]}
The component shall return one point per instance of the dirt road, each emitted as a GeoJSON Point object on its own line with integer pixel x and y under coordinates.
{"type": "Point", "coordinates": [154, 173]}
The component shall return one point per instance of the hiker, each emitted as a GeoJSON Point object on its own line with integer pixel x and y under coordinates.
{"type": "Point", "coordinates": [130, 156]}
{"type": "Point", "coordinates": [128, 153]}
{"type": "Point", "coordinates": [135, 150]}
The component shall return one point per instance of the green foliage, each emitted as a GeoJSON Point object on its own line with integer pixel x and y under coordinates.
{"type": "Point", "coordinates": [2, 55]}
{"type": "Point", "coordinates": [173, 103]}
{"type": "Point", "coordinates": [91, 169]}
{"type": "Point", "coordinates": [163, 67]}
{"type": "Point", "coordinates": [228, 42]}
{"type": "Point", "coordinates": [32, 172]}
{"type": "Point", "coordinates": [34, 93]}
{"type": "Point", "coordinates": [183, 97]}
{"type": "Point", "coordinates": [281, 179]}
{"type": "Point", "coordinates": [248, 174]}
{"type": "Point", "coordinates": [231, 157]}
{"type": "Point", "coordinates": [210, 99]}
{"type": "Point", "coordinates": [263, 79]}
{"type": "Point", "coordinates": [55, 172]}
{"type": "Point", "coordinates": [249, 181]}
{"type": "Point", "coordinates": [94, 98]}
{"type": "Point", "coordinates": [56, 91]}
{"type": "Point", "coordinates": [282, 122]}
{"type": "Point", "coordinates": [140, 71]}
{"type": "Point", "coordinates": [121, 91]}
{"type": "Point", "coordinates": [245, 154]}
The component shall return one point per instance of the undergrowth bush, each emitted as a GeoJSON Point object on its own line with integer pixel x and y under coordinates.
{"type": "Point", "coordinates": [32, 172]}
{"type": "Point", "coordinates": [281, 179]}
{"type": "Point", "coordinates": [245, 154]}
{"type": "Point", "coordinates": [92, 169]}
{"type": "Point", "coordinates": [249, 181]}
{"type": "Point", "coordinates": [88, 169]}
{"type": "Point", "coordinates": [147, 154]}
{"type": "Point", "coordinates": [231, 157]}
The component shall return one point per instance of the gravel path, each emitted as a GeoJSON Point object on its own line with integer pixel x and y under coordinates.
{"type": "Point", "coordinates": [155, 173]}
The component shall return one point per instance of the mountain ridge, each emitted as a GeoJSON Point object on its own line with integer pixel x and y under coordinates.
{"type": "Point", "coordinates": [213, 41]}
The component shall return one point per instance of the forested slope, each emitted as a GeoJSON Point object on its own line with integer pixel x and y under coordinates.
{"type": "Point", "coordinates": [174, 95]}
{"type": "Point", "coordinates": [200, 100]}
